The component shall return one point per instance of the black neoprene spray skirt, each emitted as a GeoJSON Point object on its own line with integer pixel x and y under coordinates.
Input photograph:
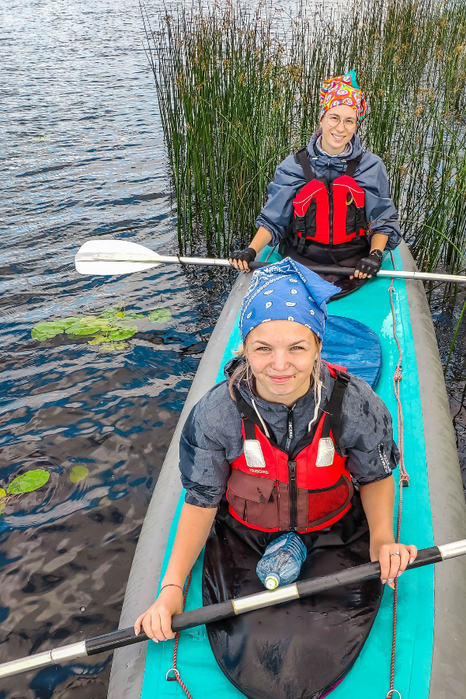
{"type": "Point", "coordinates": [299, 649]}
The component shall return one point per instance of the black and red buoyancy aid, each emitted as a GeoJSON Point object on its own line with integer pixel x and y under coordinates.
{"type": "Point", "coordinates": [307, 490]}
{"type": "Point", "coordinates": [326, 213]}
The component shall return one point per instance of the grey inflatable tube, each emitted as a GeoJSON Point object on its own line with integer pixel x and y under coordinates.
{"type": "Point", "coordinates": [448, 678]}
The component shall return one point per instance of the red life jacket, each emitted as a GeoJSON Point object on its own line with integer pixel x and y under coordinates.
{"type": "Point", "coordinates": [271, 490]}
{"type": "Point", "coordinates": [330, 214]}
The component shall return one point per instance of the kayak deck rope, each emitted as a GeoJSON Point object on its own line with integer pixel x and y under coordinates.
{"type": "Point", "coordinates": [403, 480]}
{"type": "Point", "coordinates": [176, 674]}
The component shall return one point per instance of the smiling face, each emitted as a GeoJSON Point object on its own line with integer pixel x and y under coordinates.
{"type": "Point", "coordinates": [281, 354]}
{"type": "Point", "coordinates": [335, 138]}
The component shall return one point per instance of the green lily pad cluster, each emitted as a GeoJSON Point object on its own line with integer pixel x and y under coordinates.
{"type": "Point", "coordinates": [108, 329]}
{"type": "Point", "coordinates": [35, 479]}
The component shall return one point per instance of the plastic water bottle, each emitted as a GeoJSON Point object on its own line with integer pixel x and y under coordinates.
{"type": "Point", "coordinates": [282, 561]}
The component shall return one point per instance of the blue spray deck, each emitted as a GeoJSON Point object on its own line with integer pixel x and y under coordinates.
{"type": "Point", "coordinates": [369, 676]}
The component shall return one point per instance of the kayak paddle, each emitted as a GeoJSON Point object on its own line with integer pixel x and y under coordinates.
{"type": "Point", "coordinates": [224, 610]}
{"type": "Point", "coordinates": [109, 257]}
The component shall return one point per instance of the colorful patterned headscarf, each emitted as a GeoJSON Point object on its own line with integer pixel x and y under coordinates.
{"type": "Point", "coordinates": [343, 90]}
{"type": "Point", "coordinates": [286, 290]}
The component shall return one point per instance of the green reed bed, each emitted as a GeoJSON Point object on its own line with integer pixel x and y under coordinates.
{"type": "Point", "coordinates": [238, 89]}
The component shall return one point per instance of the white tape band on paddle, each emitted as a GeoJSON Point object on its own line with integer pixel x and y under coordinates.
{"type": "Point", "coordinates": [265, 599]}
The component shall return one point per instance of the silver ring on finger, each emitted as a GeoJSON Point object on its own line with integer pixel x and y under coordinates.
{"type": "Point", "coordinates": [395, 553]}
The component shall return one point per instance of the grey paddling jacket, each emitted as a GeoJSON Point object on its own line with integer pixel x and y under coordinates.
{"type": "Point", "coordinates": [370, 174]}
{"type": "Point", "coordinates": [211, 439]}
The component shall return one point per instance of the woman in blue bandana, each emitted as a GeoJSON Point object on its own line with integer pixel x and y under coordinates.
{"type": "Point", "coordinates": [279, 408]}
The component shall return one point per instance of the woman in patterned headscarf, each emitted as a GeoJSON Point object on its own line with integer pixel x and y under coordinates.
{"type": "Point", "coordinates": [329, 203]}
{"type": "Point", "coordinates": [281, 406]}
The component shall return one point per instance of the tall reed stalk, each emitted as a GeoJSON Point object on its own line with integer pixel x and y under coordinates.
{"type": "Point", "coordinates": [238, 90]}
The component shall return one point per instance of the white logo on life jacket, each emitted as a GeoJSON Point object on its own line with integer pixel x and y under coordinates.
{"type": "Point", "coordinates": [254, 457]}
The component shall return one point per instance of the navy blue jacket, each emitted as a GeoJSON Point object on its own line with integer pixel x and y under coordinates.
{"type": "Point", "coordinates": [370, 174]}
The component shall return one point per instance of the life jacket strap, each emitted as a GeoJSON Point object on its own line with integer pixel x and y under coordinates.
{"type": "Point", "coordinates": [302, 157]}
{"type": "Point", "coordinates": [249, 429]}
{"type": "Point", "coordinates": [250, 418]}
{"type": "Point", "coordinates": [352, 165]}
{"type": "Point", "coordinates": [332, 422]}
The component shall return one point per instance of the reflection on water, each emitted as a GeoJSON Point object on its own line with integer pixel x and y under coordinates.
{"type": "Point", "coordinates": [83, 156]}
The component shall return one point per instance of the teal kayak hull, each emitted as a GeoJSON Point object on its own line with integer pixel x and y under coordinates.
{"type": "Point", "coordinates": [370, 675]}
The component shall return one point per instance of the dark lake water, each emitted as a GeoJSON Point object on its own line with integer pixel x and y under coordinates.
{"type": "Point", "coordinates": [82, 156]}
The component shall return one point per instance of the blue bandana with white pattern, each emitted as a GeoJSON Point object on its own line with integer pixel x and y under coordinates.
{"type": "Point", "coordinates": [286, 290]}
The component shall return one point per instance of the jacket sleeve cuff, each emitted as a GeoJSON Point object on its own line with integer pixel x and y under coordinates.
{"type": "Point", "coordinates": [364, 481]}
{"type": "Point", "coordinates": [191, 499]}
{"type": "Point", "coordinates": [276, 232]}
{"type": "Point", "coordinates": [392, 230]}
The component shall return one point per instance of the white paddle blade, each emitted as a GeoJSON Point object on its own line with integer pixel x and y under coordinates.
{"type": "Point", "coordinates": [111, 257]}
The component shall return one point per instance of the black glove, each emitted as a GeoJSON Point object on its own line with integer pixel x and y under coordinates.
{"type": "Point", "coordinates": [370, 265]}
{"type": "Point", "coordinates": [248, 255]}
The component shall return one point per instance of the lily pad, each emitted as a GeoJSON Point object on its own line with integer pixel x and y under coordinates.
{"type": "Point", "coordinates": [98, 339]}
{"type": "Point", "coordinates": [110, 313]}
{"type": "Point", "coordinates": [29, 481]}
{"type": "Point", "coordinates": [122, 332]}
{"type": "Point", "coordinates": [78, 473]}
{"type": "Point", "coordinates": [45, 330]}
{"type": "Point", "coordinates": [81, 329]}
{"type": "Point", "coordinates": [2, 493]}
{"type": "Point", "coordinates": [65, 322]}
{"type": "Point", "coordinates": [42, 336]}
{"type": "Point", "coordinates": [159, 315]}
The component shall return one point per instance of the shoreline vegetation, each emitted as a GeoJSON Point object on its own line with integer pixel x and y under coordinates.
{"type": "Point", "coordinates": [238, 89]}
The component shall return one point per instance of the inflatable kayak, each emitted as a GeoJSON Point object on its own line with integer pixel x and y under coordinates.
{"type": "Point", "coordinates": [431, 615]}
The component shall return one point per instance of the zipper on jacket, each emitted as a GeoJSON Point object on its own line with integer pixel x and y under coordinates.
{"type": "Point", "coordinates": [289, 429]}
{"type": "Point", "coordinates": [293, 495]}
{"type": "Point", "coordinates": [330, 213]}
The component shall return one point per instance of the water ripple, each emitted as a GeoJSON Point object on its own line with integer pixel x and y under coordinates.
{"type": "Point", "coordinates": [82, 157]}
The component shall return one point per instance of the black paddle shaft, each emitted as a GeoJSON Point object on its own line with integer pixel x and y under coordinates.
{"type": "Point", "coordinates": [223, 610]}
{"type": "Point", "coordinates": [342, 271]}
{"type": "Point", "coordinates": [367, 571]}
